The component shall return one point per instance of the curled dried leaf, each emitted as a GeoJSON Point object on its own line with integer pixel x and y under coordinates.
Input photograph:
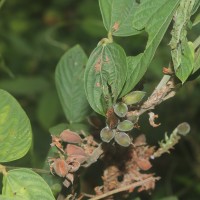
{"type": "Point", "coordinates": [74, 150]}
{"type": "Point", "coordinates": [70, 177]}
{"type": "Point", "coordinates": [66, 183]}
{"type": "Point", "coordinates": [152, 118]}
{"type": "Point", "coordinates": [70, 136]}
{"type": "Point", "coordinates": [73, 166]}
{"type": "Point", "coordinates": [143, 164]}
{"type": "Point", "coordinates": [60, 167]}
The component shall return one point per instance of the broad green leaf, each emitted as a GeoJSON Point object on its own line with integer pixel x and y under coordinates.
{"type": "Point", "coordinates": [15, 129]}
{"type": "Point", "coordinates": [197, 60]}
{"type": "Point", "coordinates": [187, 62]}
{"type": "Point", "coordinates": [70, 85]}
{"type": "Point", "coordinates": [25, 85]}
{"type": "Point", "coordinates": [118, 16]}
{"type": "Point", "coordinates": [48, 109]}
{"type": "Point", "coordinates": [105, 76]}
{"type": "Point", "coordinates": [56, 130]}
{"type": "Point", "coordinates": [25, 184]}
{"type": "Point", "coordinates": [196, 6]}
{"type": "Point", "coordinates": [196, 20]}
{"type": "Point", "coordinates": [155, 17]}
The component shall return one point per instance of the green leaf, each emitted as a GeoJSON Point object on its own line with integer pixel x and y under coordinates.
{"type": "Point", "coordinates": [197, 60]}
{"type": "Point", "coordinates": [178, 43]}
{"type": "Point", "coordinates": [15, 129]}
{"type": "Point", "coordinates": [25, 184]}
{"type": "Point", "coordinates": [118, 16]}
{"type": "Point", "coordinates": [155, 17]}
{"type": "Point", "coordinates": [187, 62]}
{"type": "Point", "coordinates": [48, 102]}
{"type": "Point", "coordinates": [25, 85]}
{"type": "Point", "coordinates": [56, 130]}
{"type": "Point", "coordinates": [196, 6]}
{"type": "Point", "coordinates": [70, 85]}
{"type": "Point", "coordinates": [105, 76]}
{"type": "Point", "coordinates": [196, 20]}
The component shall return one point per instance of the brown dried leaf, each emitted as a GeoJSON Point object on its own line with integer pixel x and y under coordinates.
{"type": "Point", "coordinates": [66, 183]}
{"type": "Point", "coordinates": [70, 136]}
{"type": "Point", "coordinates": [74, 166]}
{"type": "Point", "coordinates": [70, 177]}
{"type": "Point", "coordinates": [74, 150]}
{"type": "Point", "coordinates": [152, 118]}
{"type": "Point", "coordinates": [60, 167]}
{"type": "Point", "coordinates": [143, 164]}
{"type": "Point", "coordinates": [78, 158]}
{"type": "Point", "coordinates": [140, 140]}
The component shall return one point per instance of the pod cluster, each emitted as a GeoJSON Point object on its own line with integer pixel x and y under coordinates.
{"type": "Point", "coordinates": [125, 124]}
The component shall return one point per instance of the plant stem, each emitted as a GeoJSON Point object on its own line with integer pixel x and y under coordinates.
{"type": "Point", "coordinates": [125, 188]}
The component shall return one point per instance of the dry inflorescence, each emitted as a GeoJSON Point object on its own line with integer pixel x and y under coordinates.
{"type": "Point", "coordinates": [130, 166]}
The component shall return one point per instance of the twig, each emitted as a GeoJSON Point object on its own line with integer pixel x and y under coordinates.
{"type": "Point", "coordinates": [163, 91]}
{"type": "Point", "coordinates": [125, 188]}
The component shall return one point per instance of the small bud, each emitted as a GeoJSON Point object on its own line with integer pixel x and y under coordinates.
{"type": "Point", "coordinates": [107, 134]}
{"type": "Point", "coordinates": [125, 125]}
{"type": "Point", "coordinates": [120, 109]}
{"type": "Point", "coordinates": [183, 128]}
{"type": "Point", "coordinates": [131, 116]}
{"type": "Point", "coordinates": [133, 97]}
{"type": "Point", "coordinates": [122, 139]}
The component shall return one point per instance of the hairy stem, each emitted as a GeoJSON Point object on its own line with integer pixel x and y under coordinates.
{"type": "Point", "coordinates": [125, 188]}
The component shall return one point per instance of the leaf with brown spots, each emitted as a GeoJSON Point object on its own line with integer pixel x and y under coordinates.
{"type": "Point", "coordinates": [105, 75]}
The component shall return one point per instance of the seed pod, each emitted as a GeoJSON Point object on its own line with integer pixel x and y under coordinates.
{"type": "Point", "coordinates": [133, 97]}
{"type": "Point", "coordinates": [183, 128]}
{"type": "Point", "coordinates": [125, 125]}
{"type": "Point", "coordinates": [131, 116]}
{"type": "Point", "coordinates": [107, 134]}
{"type": "Point", "coordinates": [122, 139]}
{"type": "Point", "coordinates": [120, 109]}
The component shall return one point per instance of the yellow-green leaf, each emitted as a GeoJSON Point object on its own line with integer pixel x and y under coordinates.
{"type": "Point", "coordinates": [15, 129]}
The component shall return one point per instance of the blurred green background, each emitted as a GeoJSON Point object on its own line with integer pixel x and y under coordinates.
{"type": "Point", "coordinates": [34, 35]}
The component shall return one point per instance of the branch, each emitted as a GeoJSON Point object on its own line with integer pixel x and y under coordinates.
{"type": "Point", "coordinates": [125, 188]}
{"type": "Point", "coordinates": [163, 91]}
